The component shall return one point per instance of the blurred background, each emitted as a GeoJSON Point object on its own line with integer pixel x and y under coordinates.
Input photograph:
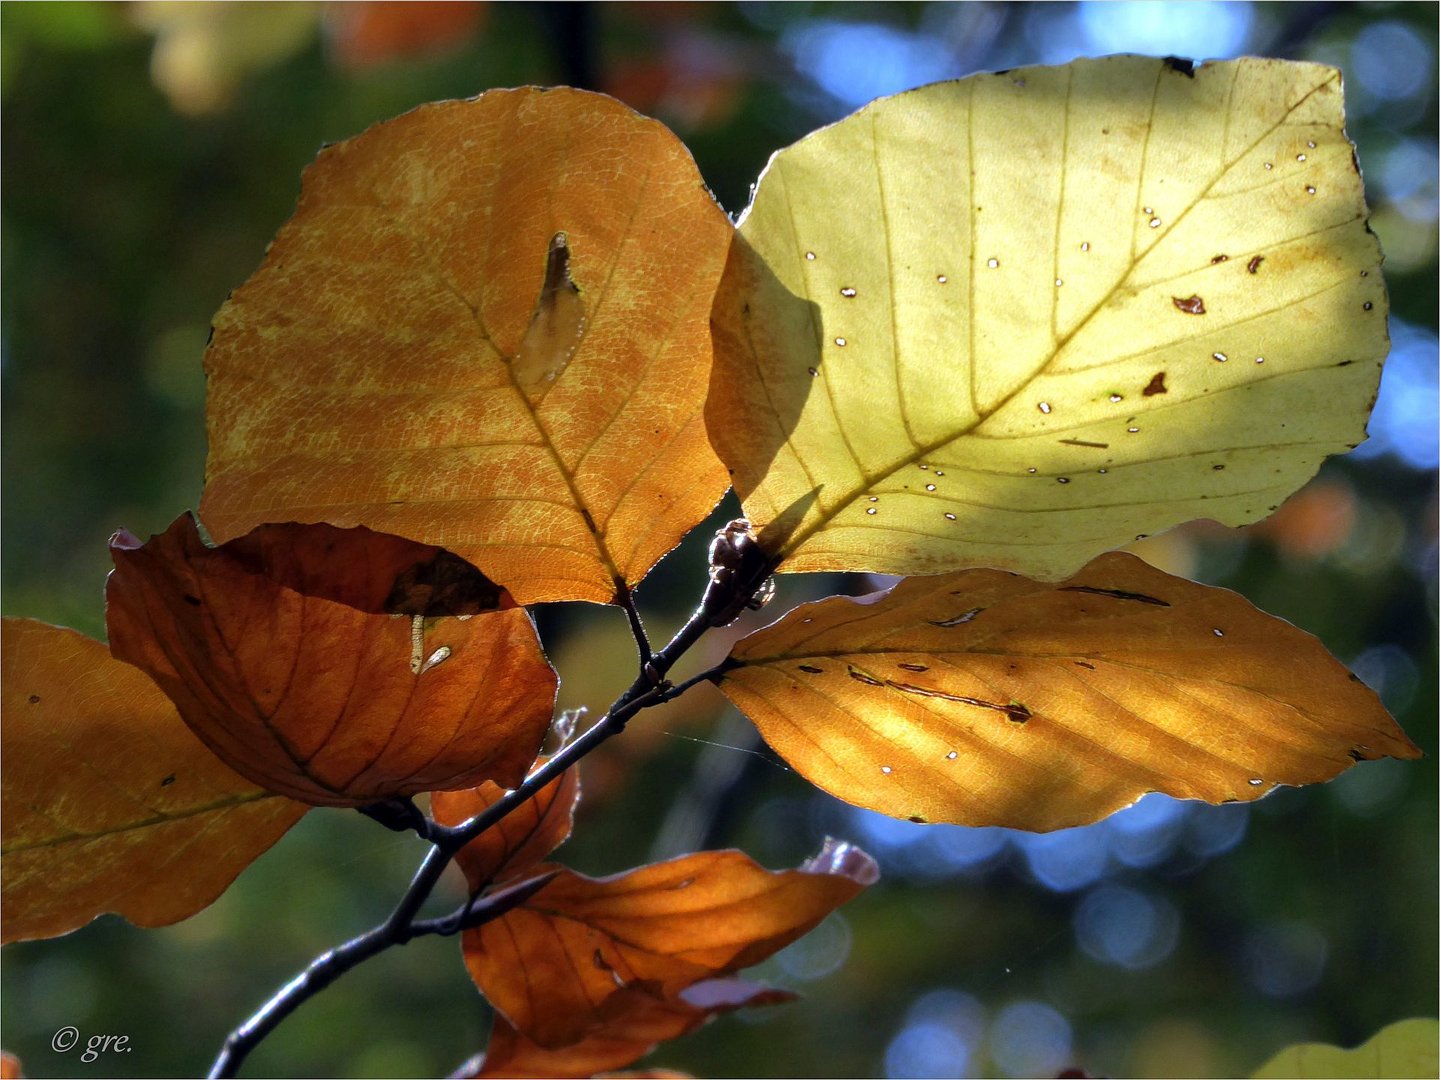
{"type": "Point", "coordinates": [150, 151]}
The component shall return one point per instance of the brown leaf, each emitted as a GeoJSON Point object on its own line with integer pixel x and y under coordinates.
{"type": "Point", "coordinates": [520, 839]}
{"type": "Point", "coordinates": [628, 1026]}
{"type": "Point", "coordinates": [278, 653]}
{"type": "Point", "coordinates": [550, 965]}
{"type": "Point", "coordinates": [10, 1068]}
{"type": "Point", "coordinates": [109, 802]}
{"type": "Point", "coordinates": [422, 352]}
{"type": "Point", "coordinates": [984, 698]}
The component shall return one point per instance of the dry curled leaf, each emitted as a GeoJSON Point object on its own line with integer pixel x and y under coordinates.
{"type": "Point", "coordinates": [290, 652]}
{"type": "Point", "coordinates": [1022, 318]}
{"type": "Point", "coordinates": [550, 965]}
{"type": "Point", "coordinates": [486, 327]}
{"type": "Point", "coordinates": [110, 803]}
{"type": "Point", "coordinates": [984, 698]}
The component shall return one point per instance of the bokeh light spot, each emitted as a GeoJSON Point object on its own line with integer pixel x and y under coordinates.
{"type": "Point", "coordinates": [857, 62]}
{"type": "Point", "coordinates": [1283, 959]}
{"type": "Point", "coordinates": [1180, 27]}
{"type": "Point", "coordinates": [1030, 1039]}
{"type": "Point", "coordinates": [1127, 928]}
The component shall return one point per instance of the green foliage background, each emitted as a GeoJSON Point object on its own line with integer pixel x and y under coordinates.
{"type": "Point", "coordinates": [125, 223]}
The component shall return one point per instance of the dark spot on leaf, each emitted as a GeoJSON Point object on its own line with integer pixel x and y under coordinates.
{"type": "Point", "coordinates": [1356, 678]}
{"type": "Point", "coordinates": [963, 617]}
{"type": "Point", "coordinates": [601, 962]}
{"type": "Point", "coordinates": [1219, 259]}
{"type": "Point", "coordinates": [1254, 264]}
{"type": "Point", "coordinates": [1082, 663]}
{"type": "Point", "coordinates": [810, 669]}
{"type": "Point", "coordinates": [1016, 713]}
{"type": "Point", "coordinates": [34, 699]}
{"type": "Point", "coordinates": [913, 667]}
{"type": "Point", "coordinates": [860, 676]}
{"type": "Point", "coordinates": [1181, 65]}
{"type": "Point", "coordinates": [168, 780]}
{"type": "Point", "coordinates": [1345, 363]}
{"type": "Point", "coordinates": [1118, 594]}
{"type": "Point", "coordinates": [1156, 385]}
{"type": "Point", "coordinates": [1191, 305]}
{"type": "Point", "coordinates": [1358, 756]}
{"type": "Point", "coordinates": [918, 820]}
{"type": "Point", "coordinates": [193, 600]}
{"type": "Point", "coordinates": [1082, 442]}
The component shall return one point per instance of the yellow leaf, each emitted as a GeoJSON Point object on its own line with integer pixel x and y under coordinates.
{"type": "Point", "coordinates": [984, 698]}
{"type": "Point", "coordinates": [1408, 1048]}
{"type": "Point", "coordinates": [110, 803]}
{"type": "Point", "coordinates": [1022, 318]}
{"type": "Point", "coordinates": [485, 328]}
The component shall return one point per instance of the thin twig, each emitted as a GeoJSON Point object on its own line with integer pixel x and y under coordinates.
{"type": "Point", "coordinates": [626, 599]}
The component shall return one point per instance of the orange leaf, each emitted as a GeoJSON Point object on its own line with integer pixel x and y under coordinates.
{"type": "Point", "coordinates": [109, 802]}
{"type": "Point", "coordinates": [551, 964]}
{"type": "Point", "coordinates": [629, 1024]}
{"type": "Point", "coordinates": [984, 698]}
{"type": "Point", "coordinates": [486, 327]}
{"type": "Point", "coordinates": [10, 1066]}
{"type": "Point", "coordinates": [520, 839]}
{"type": "Point", "coordinates": [279, 653]}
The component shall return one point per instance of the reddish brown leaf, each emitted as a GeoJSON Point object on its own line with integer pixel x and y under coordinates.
{"type": "Point", "coordinates": [109, 802]}
{"type": "Point", "coordinates": [278, 653]}
{"type": "Point", "coordinates": [628, 1026]}
{"type": "Point", "coordinates": [486, 327]}
{"type": "Point", "coordinates": [552, 963]}
{"type": "Point", "coordinates": [985, 698]}
{"type": "Point", "coordinates": [521, 839]}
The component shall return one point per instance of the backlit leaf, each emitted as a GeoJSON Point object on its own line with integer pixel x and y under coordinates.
{"type": "Point", "coordinates": [110, 804]}
{"type": "Point", "coordinates": [1408, 1048]}
{"type": "Point", "coordinates": [486, 327]}
{"type": "Point", "coordinates": [550, 965]}
{"type": "Point", "coordinates": [291, 653]}
{"type": "Point", "coordinates": [984, 698]}
{"type": "Point", "coordinates": [520, 839]}
{"type": "Point", "coordinates": [1022, 318]}
{"type": "Point", "coordinates": [628, 1026]}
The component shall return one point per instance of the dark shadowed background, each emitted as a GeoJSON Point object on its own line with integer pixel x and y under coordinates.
{"type": "Point", "coordinates": [150, 150]}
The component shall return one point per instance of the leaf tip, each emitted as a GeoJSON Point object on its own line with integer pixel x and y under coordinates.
{"type": "Point", "coordinates": [842, 858]}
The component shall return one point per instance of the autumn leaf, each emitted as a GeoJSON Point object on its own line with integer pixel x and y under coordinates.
{"type": "Point", "coordinates": [1406, 1048]}
{"type": "Point", "coordinates": [1022, 318]}
{"type": "Point", "coordinates": [10, 1066]}
{"type": "Point", "coordinates": [628, 1025]}
{"type": "Point", "coordinates": [517, 841]}
{"type": "Point", "coordinates": [984, 698]}
{"type": "Point", "coordinates": [290, 653]}
{"type": "Point", "coordinates": [110, 804]}
{"type": "Point", "coordinates": [486, 327]}
{"type": "Point", "coordinates": [550, 965]}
